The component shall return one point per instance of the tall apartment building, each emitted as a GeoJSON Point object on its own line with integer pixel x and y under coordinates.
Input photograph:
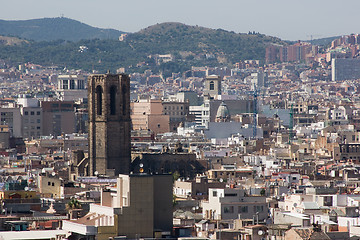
{"type": "Point", "coordinates": [139, 207]}
{"type": "Point", "coordinates": [149, 114]}
{"type": "Point", "coordinates": [58, 117]}
{"type": "Point", "coordinates": [71, 87]}
{"type": "Point", "coordinates": [201, 113]}
{"type": "Point", "coordinates": [10, 115]}
{"type": "Point", "coordinates": [345, 69]}
{"type": "Point", "coordinates": [272, 54]}
{"type": "Point", "coordinates": [31, 117]}
{"type": "Point", "coordinates": [177, 112]}
{"type": "Point", "coordinates": [299, 51]}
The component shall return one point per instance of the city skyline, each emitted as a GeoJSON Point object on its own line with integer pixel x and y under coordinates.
{"type": "Point", "coordinates": [279, 18]}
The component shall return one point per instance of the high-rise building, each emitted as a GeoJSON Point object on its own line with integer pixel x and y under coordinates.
{"type": "Point", "coordinates": [109, 124]}
{"type": "Point", "coordinates": [345, 69]}
{"type": "Point", "coordinates": [139, 207]}
{"type": "Point", "coordinates": [71, 87]}
{"type": "Point", "coordinates": [58, 117]}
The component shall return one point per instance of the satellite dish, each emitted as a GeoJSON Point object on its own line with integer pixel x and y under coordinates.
{"type": "Point", "coordinates": [53, 174]}
{"type": "Point", "coordinates": [141, 165]}
{"type": "Point", "coordinates": [26, 188]}
{"type": "Point", "coordinates": [260, 232]}
{"type": "Point", "coordinates": [221, 180]}
{"type": "Point", "coordinates": [96, 173]}
{"type": "Point", "coordinates": [357, 210]}
{"type": "Point", "coordinates": [295, 205]}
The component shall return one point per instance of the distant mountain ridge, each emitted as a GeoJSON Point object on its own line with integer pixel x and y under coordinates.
{"type": "Point", "coordinates": [188, 45]}
{"type": "Point", "coordinates": [49, 29]}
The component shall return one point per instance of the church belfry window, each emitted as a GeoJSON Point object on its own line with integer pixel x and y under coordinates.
{"type": "Point", "coordinates": [113, 100]}
{"type": "Point", "coordinates": [124, 99]}
{"type": "Point", "coordinates": [99, 99]}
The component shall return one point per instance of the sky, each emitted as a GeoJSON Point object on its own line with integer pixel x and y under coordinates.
{"type": "Point", "coordinates": [286, 19]}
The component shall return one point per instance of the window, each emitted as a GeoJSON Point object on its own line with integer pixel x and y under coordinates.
{"type": "Point", "coordinates": [242, 209]}
{"type": "Point", "coordinates": [258, 209]}
{"type": "Point", "coordinates": [32, 113]}
{"type": "Point", "coordinates": [80, 84]}
{"type": "Point", "coordinates": [230, 194]}
{"type": "Point", "coordinates": [214, 193]}
{"type": "Point", "coordinates": [229, 209]}
{"type": "Point", "coordinates": [99, 92]}
{"type": "Point", "coordinates": [124, 110]}
{"type": "Point", "coordinates": [72, 84]}
{"type": "Point", "coordinates": [113, 100]}
{"type": "Point", "coordinates": [212, 85]}
{"type": "Point", "coordinates": [65, 84]}
{"type": "Point", "coordinates": [66, 105]}
{"type": "Point", "coordinates": [49, 183]}
{"type": "Point", "coordinates": [38, 113]}
{"type": "Point", "coordinates": [26, 113]}
{"type": "Point", "coordinates": [53, 184]}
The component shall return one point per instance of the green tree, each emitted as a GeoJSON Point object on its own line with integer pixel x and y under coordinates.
{"type": "Point", "coordinates": [73, 204]}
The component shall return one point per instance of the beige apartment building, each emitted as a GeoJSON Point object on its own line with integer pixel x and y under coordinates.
{"type": "Point", "coordinates": [31, 122]}
{"type": "Point", "coordinates": [177, 112]}
{"type": "Point", "coordinates": [139, 207]}
{"type": "Point", "coordinates": [58, 117]}
{"type": "Point", "coordinates": [233, 203]}
{"type": "Point", "coordinates": [148, 114]}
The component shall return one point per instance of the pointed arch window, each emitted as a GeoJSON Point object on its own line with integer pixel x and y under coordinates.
{"type": "Point", "coordinates": [123, 88]}
{"type": "Point", "coordinates": [99, 99]}
{"type": "Point", "coordinates": [112, 100]}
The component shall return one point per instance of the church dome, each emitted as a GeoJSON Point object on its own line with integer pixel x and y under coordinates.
{"type": "Point", "coordinates": [223, 114]}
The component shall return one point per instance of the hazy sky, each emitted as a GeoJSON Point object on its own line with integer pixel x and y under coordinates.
{"type": "Point", "coordinates": [287, 19]}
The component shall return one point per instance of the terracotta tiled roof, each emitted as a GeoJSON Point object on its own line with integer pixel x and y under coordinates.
{"type": "Point", "coordinates": [310, 234]}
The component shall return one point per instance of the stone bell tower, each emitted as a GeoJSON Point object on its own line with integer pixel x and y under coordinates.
{"type": "Point", "coordinates": [109, 124]}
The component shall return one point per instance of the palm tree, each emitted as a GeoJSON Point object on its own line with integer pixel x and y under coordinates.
{"type": "Point", "coordinates": [73, 204]}
{"type": "Point", "coordinates": [73, 207]}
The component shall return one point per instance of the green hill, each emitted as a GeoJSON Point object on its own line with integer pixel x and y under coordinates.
{"type": "Point", "coordinates": [190, 46]}
{"type": "Point", "coordinates": [323, 41]}
{"type": "Point", "coordinates": [48, 29]}
{"type": "Point", "coordinates": [178, 38]}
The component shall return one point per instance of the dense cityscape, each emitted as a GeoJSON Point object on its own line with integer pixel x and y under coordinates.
{"type": "Point", "coordinates": [259, 149]}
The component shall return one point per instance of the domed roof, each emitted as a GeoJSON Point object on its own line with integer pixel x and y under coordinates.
{"type": "Point", "coordinates": [222, 112]}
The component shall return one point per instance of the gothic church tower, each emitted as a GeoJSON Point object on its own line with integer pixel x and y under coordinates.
{"type": "Point", "coordinates": [109, 124]}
